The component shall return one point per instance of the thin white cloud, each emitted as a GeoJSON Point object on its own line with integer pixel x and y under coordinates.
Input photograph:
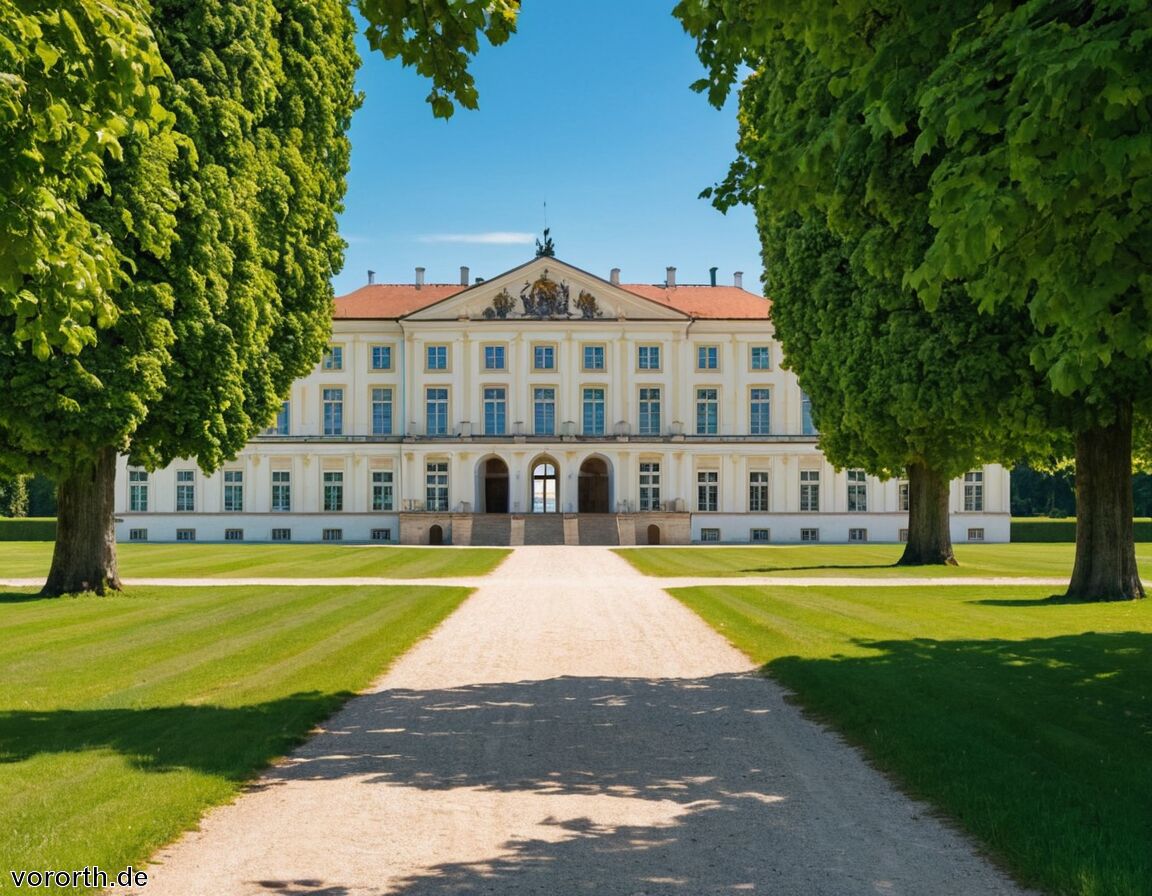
{"type": "Point", "coordinates": [494, 237]}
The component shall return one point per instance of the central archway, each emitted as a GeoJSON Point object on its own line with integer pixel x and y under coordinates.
{"type": "Point", "coordinates": [494, 488]}
{"type": "Point", "coordinates": [593, 489]}
{"type": "Point", "coordinates": [545, 486]}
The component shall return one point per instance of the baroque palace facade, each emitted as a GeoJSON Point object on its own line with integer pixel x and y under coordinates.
{"type": "Point", "coordinates": [545, 405]}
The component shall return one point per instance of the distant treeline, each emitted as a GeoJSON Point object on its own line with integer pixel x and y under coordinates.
{"type": "Point", "coordinates": [1054, 494]}
{"type": "Point", "coordinates": [27, 496]}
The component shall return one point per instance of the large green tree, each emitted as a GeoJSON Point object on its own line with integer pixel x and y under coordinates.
{"type": "Point", "coordinates": [174, 171]}
{"type": "Point", "coordinates": [1028, 125]}
{"type": "Point", "coordinates": [1039, 122]}
{"type": "Point", "coordinates": [843, 218]}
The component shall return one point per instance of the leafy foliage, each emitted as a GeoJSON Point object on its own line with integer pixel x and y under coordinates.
{"type": "Point", "coordinates": [437, 38]}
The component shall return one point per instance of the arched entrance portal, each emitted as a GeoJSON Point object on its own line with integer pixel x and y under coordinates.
{"type": "Point", "coordinates": [593, 486]}
{"type": "Point", "coordinates": [653, 534]}
{"type": "Point", "coordinates": [495, 487]}
{"type": "Point", "coordinates": [436, 535]}
{"type": "Point", "coordinates": [545, 486]}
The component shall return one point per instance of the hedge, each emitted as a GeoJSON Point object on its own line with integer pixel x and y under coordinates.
{"type": "Point", "coordinates": [27, 529]}
{"type": "Point", "coordinates": [1039, 529]}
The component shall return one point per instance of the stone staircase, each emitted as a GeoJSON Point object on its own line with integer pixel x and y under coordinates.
{"type": "Point", "coordinates": [491, 529]}
{"type": "Point", "coordinates": [543, 528]}
{"type": "Point", "coordinates": [599, 528]}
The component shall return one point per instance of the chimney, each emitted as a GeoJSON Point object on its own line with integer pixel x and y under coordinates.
{"type": "Point", "coordinates": [371, 277]}
{"type": "Point", "coordinates": [419, 277]}
{"type": "Point", "coordinates": [671, 281]}
{"type": "Point", "coordinates": [738, 279]}
{"type": "Point", "coordinates": [615, 276]}
{"type": "Point", "coordinates": [712, 275]}
{"type": "Point", "coordinates": [463, 275]}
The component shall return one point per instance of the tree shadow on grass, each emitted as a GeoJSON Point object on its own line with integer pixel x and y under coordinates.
{"type": "Point", "coordinates": [231, 742]}
{"type": "Point", "coordinates": [771, 569]}
{"type": "Point", "coordinates": [1037, 746]}
{"type": "Point", "coordinates": [22, 597]}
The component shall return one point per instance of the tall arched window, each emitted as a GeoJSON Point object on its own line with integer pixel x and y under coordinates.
{"type": "Point", "coordinates": [544, 486]}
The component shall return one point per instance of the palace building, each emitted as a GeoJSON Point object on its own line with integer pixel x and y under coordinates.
{"type": "Point", "coordinates": [543, 406]}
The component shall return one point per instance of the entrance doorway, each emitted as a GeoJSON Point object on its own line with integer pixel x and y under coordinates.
{"type": "Point", "coordinates": [653, 534]}
{"type": "Point", "coordinates": [495, 486]}
{"type": "Point", "coordinates": [593, 496]}
{"type": "Point", "coordinates": [545, 486]}
{"type": "Point", "coordinates": [436, 535]}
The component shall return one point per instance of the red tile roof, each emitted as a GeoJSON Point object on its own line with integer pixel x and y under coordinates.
{"type": "Point", "coordinates": [718, 302]}
{"type": "Point", "coordinates": [389, 301]}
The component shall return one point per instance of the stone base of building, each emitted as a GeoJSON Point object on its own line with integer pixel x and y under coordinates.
{"type": "Point", "coordinates": [515, 529]}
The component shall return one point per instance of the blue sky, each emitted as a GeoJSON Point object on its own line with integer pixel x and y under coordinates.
{"type": "Point", "coordinates": [587, 108]}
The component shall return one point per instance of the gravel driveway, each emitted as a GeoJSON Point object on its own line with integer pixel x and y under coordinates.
{"type": "Point", "coordinates": [571, 729]}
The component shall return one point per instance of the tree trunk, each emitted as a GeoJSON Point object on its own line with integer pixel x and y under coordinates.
{"type": "Point", "coordinates": [85, 554]}
{"type": "Point", "coordinates": [929, 535]}
{"type": "Point", "coordinates": [1105, 567]}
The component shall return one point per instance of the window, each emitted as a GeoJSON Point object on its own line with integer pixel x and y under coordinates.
{"type": "Point", "coordinates": [333, 491]}
{"type": "Point", "coordinates": [902, 535]}
{"type": "Point", "coordinates": [185, 491]}
{"type": "Point", "coordinates": [495, 411]}
{"type": "Point", "coordinates": [806, 426]}
{"type": "Point", "coordinates": [234, 491]}
{"type": "Point", "coordinates": [233, 534]}
{"type": "Point", "coordinates": [857, 534]}
{"type": "Point", "coordinates": [436, 418]}
{"type": "Point", "coordinates": [809, 534]}
{"type": "Point", "coordinates": [760, 412]}
{"type": "Point", "coordinates": [903, 496]}
{"type": "Point", "coordinates": [707, 357]}
{"type": "Point", "coordinates": [381, 357]}
{"type": "Point", "coordinates": [381, 412]}
{"type": "Point", "coordinates": [709, 534]}
{"type": "Point", "coordinates": [707, 490]}
{"type": "Point", "coordinates": [333, 403]}
{"type": "Point", "coordinates": [857, 491]}
{"type": "Point", "coordinates": [545, 482]}
{"type": "Point", "coordinates": [975, 534]}
{"type": "Point", "coordinates": [333, 358]}
{"type": "Point", "coordinates": [283, 419]}
{"type": "Point", "coordinates": [281, 534]}
{"type": "Point", "coordinates": [594, 412]}
{"type": "Point", "coordinates": [137, 534]}
{"type": "Point", "coordinates": [760, 536]}
{"type": "Point", "coordinates": [381, 534]}
{"type": "Point", "coordinates": [974, 492]}
{"type": "Point", "coordinates": [138, 491]}
{"type": "Point", "coordinates": [648, 357]}
{"type": "Point", "coordinates": [761, 359]}
{"type": "Point", "coordinates": [707, 412]}
{"type": "Point", "coordinates": [543, 357]}
{"type": "Point", "coordinates": [758, 492]}
{"type": "Point", "coordinates": [494, 357]}
{"type": "Point", "coordinates": [185, 534]}
{"type": "Point", "coordinates": [544, 411]}
{"type": "Point", "coordinates": [333, 535]}
{"type": "Point", "coordinates": [281, 491]}
{"type": "Point", "coordinates": [436, 485]}
{"type": "Point", "coordinates": [593, 357]}
{"type": "Point", "coordinates": [437, 357]}
{"type": "Point", "coordinates": [649, 485]}
{"type": "Point", "coordinates": [650, 412]}
{"type": "Point", "coordinates": [809, 491]}
{"type": "Point", "coordinates": [382, 490]}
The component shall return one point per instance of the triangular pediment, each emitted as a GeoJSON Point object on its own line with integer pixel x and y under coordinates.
{"type": "Point", "coordinates": [545, 289]}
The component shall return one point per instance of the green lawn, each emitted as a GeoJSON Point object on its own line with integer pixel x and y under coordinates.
{"type": "Point", "coordinates": [1027, 721]}
{"type": "Point", "coordinates": [122, 718]}
{"type": "Point", "coordinates": [27, 559]}
{"type": "Point", "coordinates": [873, 561]}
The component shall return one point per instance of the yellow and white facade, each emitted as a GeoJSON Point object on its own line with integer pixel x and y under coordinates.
{"type": "Point", "coordinates": [543, 405]}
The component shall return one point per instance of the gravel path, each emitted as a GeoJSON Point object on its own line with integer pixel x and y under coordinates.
{"type": "Point", "coordinates": [571, 729]}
